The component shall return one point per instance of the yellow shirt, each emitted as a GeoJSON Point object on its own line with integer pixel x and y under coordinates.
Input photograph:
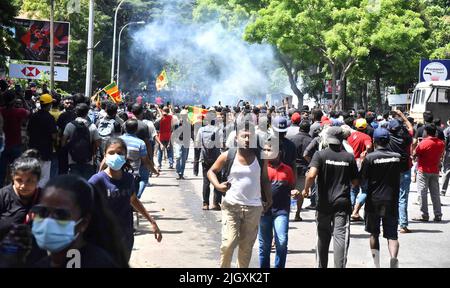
{"type": "Point", "coordinates": [55, 113]}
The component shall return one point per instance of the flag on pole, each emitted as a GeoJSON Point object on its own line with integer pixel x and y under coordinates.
{"type": "Point", "coordinates": [113, 91]}
{"type": "Point", "coordinates": [161, 80]}
{"type": "Point", "coordinates": [195, 113]}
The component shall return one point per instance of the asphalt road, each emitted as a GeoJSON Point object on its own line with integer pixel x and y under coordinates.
{"type": "Point", "coordinates": [191, 236]}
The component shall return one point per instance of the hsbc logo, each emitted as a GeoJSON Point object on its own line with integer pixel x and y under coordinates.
{"type": "Point", "coordinates": [30, 71]}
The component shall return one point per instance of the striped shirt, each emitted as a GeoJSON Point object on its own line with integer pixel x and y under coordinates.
{"type": "Point", "coordinates": [136, 149]}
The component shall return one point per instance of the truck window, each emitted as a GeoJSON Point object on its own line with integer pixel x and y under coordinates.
{"type": "Point", "coordinates": [442, 95]}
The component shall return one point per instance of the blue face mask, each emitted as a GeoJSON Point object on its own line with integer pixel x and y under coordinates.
{"type": "Point", "coordinates": [115, 161]}
{"type": "Point", "coordinates": [54, 235]}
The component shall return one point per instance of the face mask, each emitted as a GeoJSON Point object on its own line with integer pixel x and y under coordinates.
{"type": "Point", "coordinates": [115, 161]}
{"type": "Point", "coordinates": [53, 235]}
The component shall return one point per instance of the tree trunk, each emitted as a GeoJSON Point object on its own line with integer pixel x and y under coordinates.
{"type": "Point", "coordinates": [333, 83]}
{"type": "Point", "coordinates": [364, 96]}
{"type": "Point", "coordinates": [360, 98]}
{"type": "Point", "coordinates": [379, 108]}
{"type": "Point", "coordinates": [292, 75]}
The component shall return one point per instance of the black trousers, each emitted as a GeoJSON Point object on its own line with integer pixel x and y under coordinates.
{"type": "Point", "coordinates": [206, 189]}
{"type": "Point", "coordinates": [197, 152]}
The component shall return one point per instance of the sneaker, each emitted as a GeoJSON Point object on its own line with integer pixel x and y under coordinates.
{"type": "Point", "coordinates": [394, 263]}
{"type": "Point", "coordinates": [404, 230]}
{"type": "Point", "coordinates": [437, 219]}
{"type": "Point", "coordinates": [421, 219]}
{"type": "Point", "coordinates": [171, 167]}
{"type": "Point", "coordinates": [443, 193]}
{"type": "Point", "coordinates": [205, 207]}
{"type": "Point", "coordinates": [179, 177]}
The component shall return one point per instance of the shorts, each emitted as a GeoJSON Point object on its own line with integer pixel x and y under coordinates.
{"type": "Point", "coordinates": [390, 223]}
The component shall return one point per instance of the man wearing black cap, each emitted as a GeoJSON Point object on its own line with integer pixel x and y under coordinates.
{"type": "Point", "coordinates": [381, 170]}
{"type": "Point", "coordinates": [335, 170]}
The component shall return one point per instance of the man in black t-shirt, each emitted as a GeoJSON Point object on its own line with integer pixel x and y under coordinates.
{"type": "Point", "coordinates": [42, 132]}
{"type": "Point", "coordinates": [335, 170]}
{"type": "Point", "coordinates": [381, 170]}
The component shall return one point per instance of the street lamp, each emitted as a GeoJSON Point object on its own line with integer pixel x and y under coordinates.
{"type": "Point", "coordinates": [114, 41]}
{"type": "Point", "coordinates": [118, 52]}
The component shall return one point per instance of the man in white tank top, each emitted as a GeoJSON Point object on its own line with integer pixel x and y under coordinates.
{"type": "Point", "coordinates": [242, 206]}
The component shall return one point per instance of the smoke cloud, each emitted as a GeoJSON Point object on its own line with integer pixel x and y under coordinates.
{"type": "Point", "coordinates": [205, 57]}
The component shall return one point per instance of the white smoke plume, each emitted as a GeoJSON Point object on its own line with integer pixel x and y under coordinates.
{"type": "Point", "coordinates": [217, 61]}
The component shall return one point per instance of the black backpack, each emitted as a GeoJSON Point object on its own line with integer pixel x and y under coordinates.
{"type": "Point", "coordinates": [210, 152]}
{"type": "Point", "coordinates": [225, 172]}
{"type": "Point", "coordinates": [80, 147]}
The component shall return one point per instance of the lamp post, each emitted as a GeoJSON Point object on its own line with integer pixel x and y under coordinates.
{"type": "Point", "coordinates": [114, 41]}
{"type": "Point", "coordinates": [90, 51]}
{"type": "Point", "coordinates": [52, 46]}
{"type": "Point", "coordinates": [118, 52]}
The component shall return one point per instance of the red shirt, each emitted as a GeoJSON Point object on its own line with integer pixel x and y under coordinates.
{"type": "Point", "coordinates": [12, 126]}
{"type": "Point", "coordinates": [359, 142]}
{"type": "Point", "coordinates": [283, 173]}
{"type": "Point", "coordinates": [165, 128]}
{"type": "Point", "coordinates": [429, 153]}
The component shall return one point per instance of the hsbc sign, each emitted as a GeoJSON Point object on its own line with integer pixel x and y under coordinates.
{"type": "Point", "coordinates": [27, 71]}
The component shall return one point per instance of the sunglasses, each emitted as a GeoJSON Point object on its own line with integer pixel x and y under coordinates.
{"type": "Point", "coordinates": [55, 213]}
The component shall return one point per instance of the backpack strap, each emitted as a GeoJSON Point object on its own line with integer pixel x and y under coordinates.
{"type": "Point", "coordinates": [229, 163]}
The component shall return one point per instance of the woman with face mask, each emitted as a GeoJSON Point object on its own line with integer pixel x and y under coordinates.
{"type": "Point", "coordinates": [73, 220]}
{"type": "Point", "coordinates": [117, 184]}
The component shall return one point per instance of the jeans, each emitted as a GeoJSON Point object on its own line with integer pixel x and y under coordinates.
{"type": "Point", "coordinates": [405, 182]}
{"type": "Point", "coordinates": [54, 166]}
{"type": "Point", "coordinates": [143, 181]}
{"type": "Point", "coordinates": [268, 224]}
{"type": "Point", "coordinates": [313, 195]}
{"type": "Point", "coordinates": [336, 224]}
{"type": "Point", "coordinates": [169, 148]}
{"type": "Point", "coordinates": [358, 198]}
{"type": "Point", "coordinates": [181, 155]}
{"type": "Point", "coordinates": [206, 188]}
{"type": "Point", "coordinates": [8, 156]}
{"type": "Point", "coordinates": [427, 181]}
{"type": "Point", "coordinates": [83, 170]}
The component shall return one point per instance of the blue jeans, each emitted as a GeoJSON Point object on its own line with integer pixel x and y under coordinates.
{"type": "Point", "coordinates": [8, 156]}
{"type": "Point", "coordinates": [169, 147]}
{"type": "Point", "coordinates": [54, 166]}
{"type": "Point", "coordinates": [405, 182]}
{"type": "Point", "coordinates": [313, 195]}
{"type": "Point", "coordinates": [267, 225]}
{"type": "Point", "coordinates": [181, 155]}
{"type": "Point", "coordinates": [143, 174]}
{"type": "Point", "coordinates": [358, 198]}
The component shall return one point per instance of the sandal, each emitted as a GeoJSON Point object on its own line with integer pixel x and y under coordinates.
{"type": "Point", "coordinates": [356, 219]}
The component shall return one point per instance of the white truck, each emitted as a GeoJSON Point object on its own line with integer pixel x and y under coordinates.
{"type": "Point", "coordinates": [431, 96]}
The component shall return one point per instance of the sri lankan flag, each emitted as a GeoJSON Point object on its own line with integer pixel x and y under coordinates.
{"type": "Point", "coordinates": [161, 81]}
{"type": "Point", "coordinates": [195, 114]}
{"type": "Point", "coordinates": [113, 91]}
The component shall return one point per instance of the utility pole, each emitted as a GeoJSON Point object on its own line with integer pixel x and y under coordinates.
{"type": "Point", "coordinates": [113, 58]}
{"type": "Point", "coordinates": [90, 51]}
{"type": "Point", "coordinates": [52, 44]}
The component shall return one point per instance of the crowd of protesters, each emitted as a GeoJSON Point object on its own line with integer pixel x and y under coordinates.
{"type": "Point", "coordinates": [67, 163]}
